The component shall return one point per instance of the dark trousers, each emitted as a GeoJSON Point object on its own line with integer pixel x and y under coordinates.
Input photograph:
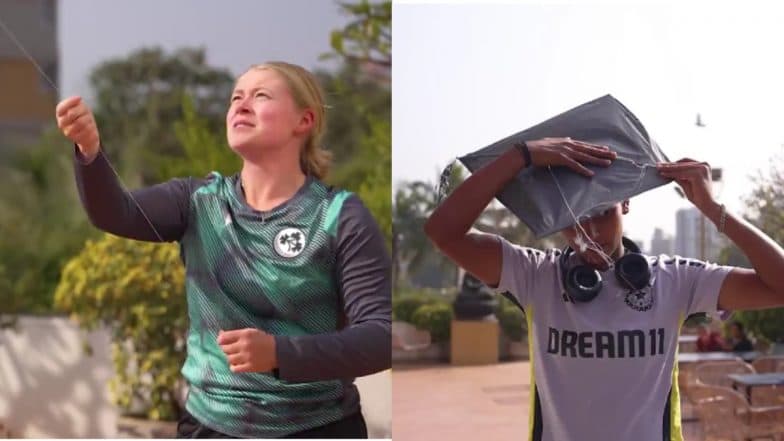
{"type": "Point", "coordinates": [350, 427]}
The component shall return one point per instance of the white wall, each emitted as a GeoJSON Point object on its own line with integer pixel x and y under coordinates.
{"type": "Point", "coordinates": [49, 387]}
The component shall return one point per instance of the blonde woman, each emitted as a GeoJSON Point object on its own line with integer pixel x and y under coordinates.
{"type": "Point", "coordinates": [287, 279]}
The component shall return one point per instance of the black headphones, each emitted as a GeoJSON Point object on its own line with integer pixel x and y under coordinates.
{"type": "Point", "coordinates": [583, 283]}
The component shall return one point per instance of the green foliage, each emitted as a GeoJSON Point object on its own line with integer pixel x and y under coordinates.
{"type": "Point", "coordinates": [41, 220]}
{"type": "Point", "coordinates": [767, 324]}
{"type": "Point", "coordinates": [425, 310]}
{"type": "Point", "coordinates": [512, 322]}
{"type": "Point", "coordinates": [354, 101]}
{"type": "Point", "coordinates": [204, 151]}
{"type": "Point", "coordinates": [359, 119]}
{"type": "Point", "coordinates": [7, 301]}
{"type": "Point", "coordinates": [413, 203]}
{"type": "Point", "coordinates": [136, 289]}
{"type": "Point", "coordinates": [368, 38]}
{"type": "Point", "coordinates": [733, 256]}
{"type": "Point", "coordinates": [416, 261]}
{"type": "Point", "coordinates": [375, 187]}
{"type": "Point", "coordinates": [435, 318]}
{"type": "Point", "coordinates": [696, 320]}
{"type": "Point", "coordinates": [137, 99]}
{"type": "Point", "coordinates": [42, 217]}
{"type": "Point", "coordinates": [138, 96]}
{"type": "Point", "coordinates": [511, 319]}
{"type": "Point", "coordinates": [404, 306]}
{"type": "Point", "coordinates": [766, 211]}
{"type": "Point", "coordinates": [358, 135]}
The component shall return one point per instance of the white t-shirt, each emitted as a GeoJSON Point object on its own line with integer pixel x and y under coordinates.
{"type": "Point", "coordinates": [605, 369]}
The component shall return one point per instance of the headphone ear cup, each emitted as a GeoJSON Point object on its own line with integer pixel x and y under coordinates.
{"type": "Point", "coordinates": [583, 283]}
{"type": "Point", "coordinates": [633, 271]}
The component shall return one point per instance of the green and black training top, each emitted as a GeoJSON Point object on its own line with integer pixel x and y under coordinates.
{"type": "Point", "coordinates": [314, 272]}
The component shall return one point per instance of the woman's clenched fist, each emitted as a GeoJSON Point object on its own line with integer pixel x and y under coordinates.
{"type": "Point", "coordinates": [77, 123]}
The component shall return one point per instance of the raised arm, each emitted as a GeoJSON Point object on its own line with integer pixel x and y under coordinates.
{"type": "Point", "coordinates": [449, 227]}
{"type": "Point", "coordinates": [157, 213]}
{"type": "Point", "coordinates": [757, 288]}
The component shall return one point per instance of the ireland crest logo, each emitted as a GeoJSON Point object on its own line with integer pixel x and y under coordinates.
{"type": "Point", "coordinates": [289, 242]}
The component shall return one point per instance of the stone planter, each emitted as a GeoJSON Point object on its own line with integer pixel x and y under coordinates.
{"type": "Point", "coordinates": [518, 350]}
{"type": "Point", "coordinates": [134, 427]}
{"type": "Point", "coordinates": [513, 350]}
{"type": "Point", "coordinates": [434, 352]}
{"type": "Point", "coordinates": [475, 342]}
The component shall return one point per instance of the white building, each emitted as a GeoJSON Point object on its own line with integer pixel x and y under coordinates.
{"type": "Point", "coordinates": [688, 235]}
{"type": "Point", "coordinates": [661, 243]}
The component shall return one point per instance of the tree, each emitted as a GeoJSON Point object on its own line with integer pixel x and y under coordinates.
{"type": "Point", "coordinates": [41, 219]}
{"type": "Point", "coordinates": [356, 104]}
{"type": "Point", "coordinates": [368, 38]}
{"type": "Point", "coordinates": [203, 150]}
{"type": "Point", "coordinates": [137, 290]}
{"type": "Point", "coordinates": [410, 245]}
{"type": "Point", "coordinates": [359, 135]}
{"type": "Point", "coordinates": [766, 212]}
{"type": "Point", "coordinates": [139, 96]}
{"type": "Point", "coordinates": [360, 123]}
{"type": "Point", "coordinates": [414, 201]}
{"type": "Point", "coordinates": [44, 222]}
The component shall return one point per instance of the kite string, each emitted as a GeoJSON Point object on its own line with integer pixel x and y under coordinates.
{"type": "Point", "coordinates": [54, 86]}
{"type": "Point", "coordinates": [581, 241]}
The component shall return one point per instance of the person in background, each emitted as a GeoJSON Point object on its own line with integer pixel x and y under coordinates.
{"type": "Point", "coordinates": [709, 340]}
{"type": "Point", "coordinates": [738, 341]}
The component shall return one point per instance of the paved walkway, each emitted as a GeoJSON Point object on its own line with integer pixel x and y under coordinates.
{"type": "Point", "coordinates": [477, 403]}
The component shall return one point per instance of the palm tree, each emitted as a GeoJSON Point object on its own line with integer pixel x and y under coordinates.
{"type": "Point", "coordinates": [414, 201]}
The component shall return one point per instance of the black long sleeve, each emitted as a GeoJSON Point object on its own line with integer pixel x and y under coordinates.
{"type": "Point", "coordinates": [112, 209]}
{"type": "Point", "coordinates": [364, 346]}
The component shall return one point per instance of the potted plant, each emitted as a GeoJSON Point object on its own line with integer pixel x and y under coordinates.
{"type": "Point", "coordinates": [435, 318]}
{"type": "Point", "coordinates": [405, 305]}
{"type": "Point", "coordinates": [136, 291]}
{"type": "Point", "coordinates": [513, 330]}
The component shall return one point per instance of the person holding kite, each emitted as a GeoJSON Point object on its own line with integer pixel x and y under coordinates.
{"type": "Point", "coordinates": [603, 318]}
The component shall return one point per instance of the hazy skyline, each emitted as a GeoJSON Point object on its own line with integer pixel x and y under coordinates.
{"type": "Point", "coordinates": [467, 75]}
